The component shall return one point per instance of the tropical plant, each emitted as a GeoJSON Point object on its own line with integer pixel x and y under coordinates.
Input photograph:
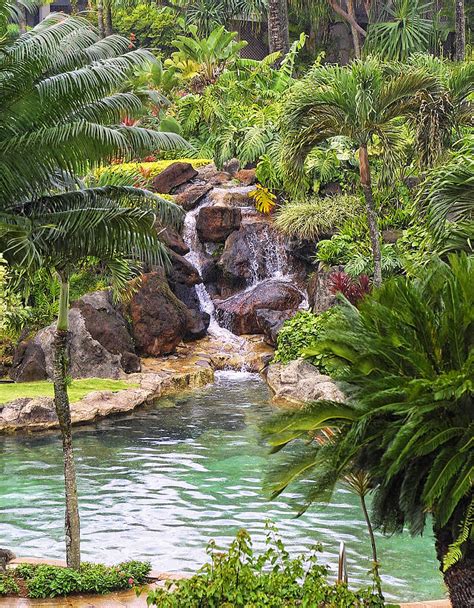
{"type": "Point", "coordinates": [63, 95]}
{"type": "Point", "coordinates": [406, 31]}
{"type": "Point", "coordinates": [407, 353]}
{"type": "Point", "coordinates": [310, 218]}
{"type": "Point", "coordinates": [265, 200]}
{"type": "Point", "coordinates": [154, 27]}
{"type": "Point", "coordinates": [360, 101]}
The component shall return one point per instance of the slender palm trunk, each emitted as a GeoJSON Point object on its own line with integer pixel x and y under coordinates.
{"type": "Point", "coordinates": [109, 29]}
{"type": "Point", "coordinates": [22, 20]}
{"type": "Point", "coordinates": [100, 18]}
{"type": "Point", "coordinates": [459, 579]}
{"type": "Point", "coordinates": [375, 560]}
{"type": "Point", "coordinates": [61, 403]}
{"type": "Point", "coordinates": [366, 184]}
{"type": "Point", "coordinates": [278, 27]}
{"type": "Point", "coordinates": [460, 35]}
{"type": "Point", "coordinates": [355, 33]}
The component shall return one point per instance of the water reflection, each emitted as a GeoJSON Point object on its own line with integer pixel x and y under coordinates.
{"type": "Point", "coordinates": [160, 483]}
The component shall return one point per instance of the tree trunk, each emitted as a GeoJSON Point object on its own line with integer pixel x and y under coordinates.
{"type": "Point", "coordinates": [22, 19]}
{"type": "Point", "coordinates": [337, 8]}
{"type": "Point", "coordinates": [366, 184]}
{"type": "Point", "coordinates": [459, 579]}
{"type": "Point", "coordinates": [61, 403]}
{"type": "Point", "coordinates": [278, 27]}
{"type": "Point", "coordinates": [460, 41]}
{"type": "Point", "coordinates": [355, 33]}
{"type": "Point", "coordinates": [375, 560]}
{"type": "Point", "coordinates": [109, 30]}
{"type": "Point", "coordinates": [100, 18]}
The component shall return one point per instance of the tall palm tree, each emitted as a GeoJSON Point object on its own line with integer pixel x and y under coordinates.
{"type": "Point", "coordinates": [278, 26]}
{"type": "Point", "coordinates": [361, 101]}
{"type": "Point", "coordinates": [407, 354]}
{"type": "Point", "coordinates": [460, 30]}
{"type": "Point", "coordinates": [63, 94]}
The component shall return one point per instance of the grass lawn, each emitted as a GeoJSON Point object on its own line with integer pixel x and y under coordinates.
{"type": "Point", "coordinates": [77, 390]}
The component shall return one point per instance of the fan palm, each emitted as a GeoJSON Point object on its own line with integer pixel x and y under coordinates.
{"type": "Point", "coordinates": [63, 94]}
{"type": "Point", "coordinates": [361, 101]}
{"type": "Point", "coordinates": [407, 354]}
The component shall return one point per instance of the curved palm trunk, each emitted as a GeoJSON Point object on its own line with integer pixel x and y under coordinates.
{"type": "Point", "coordinates": [61, 403]}
{"type": "Point", "coordinates": [459, 579]}
{"type": "Point", "coordinates": [366, 184]}
{"type": "Point", "coordinates": [278, 28]}
{"type": "Point", "coordinates": [460, 36]}
{"type": "Point", "coordinates": [370, 530]}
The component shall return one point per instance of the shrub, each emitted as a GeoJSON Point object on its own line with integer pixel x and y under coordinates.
{"type": "Point", "coordinates": [310, 218]}
{"type": "Point", "coordinates": [44, 581]}
{"type": "Point", "coordinates": [301, 332]}
{"type": "Point", "coordinates": [154, 27]}
{"type": "Point", "coordinates": [241, 579]}
{"type": "Point", "coordinates": [8, 584]}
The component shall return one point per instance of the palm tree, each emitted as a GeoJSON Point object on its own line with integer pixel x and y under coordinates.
{"type": "Point", "coordinates": [63, 94]}
{"type": "Point", "coordinates": [361, 101]}
{"type": "Point", "coordinates": [407, 354]}
{"type": "Point", "coordinates": [460, 30]}
{"type": "Point", "coordinates": [278, 26]}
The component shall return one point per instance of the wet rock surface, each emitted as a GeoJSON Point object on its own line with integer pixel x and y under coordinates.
{"type": "Point", "coordinates": [271, 321]}
{"type": "Point", "coordinates": [215, 224]}
{"type": "Point", "coordinates": [173, 176]}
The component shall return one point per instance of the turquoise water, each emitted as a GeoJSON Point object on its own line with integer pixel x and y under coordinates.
{"type": "Point", "coordinates": [158, 484]}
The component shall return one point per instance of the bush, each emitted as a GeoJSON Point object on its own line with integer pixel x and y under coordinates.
{"type": "Point", "coordinates": [301, 332]}
{"type": "Point", "coordinates": [8, 584]}
{"type": "Point", "coordinates": [44, 581]}
{"type": "Point", "coordinates": [152, 26]}
{"type": "Point", "coordinates": [241, 579]}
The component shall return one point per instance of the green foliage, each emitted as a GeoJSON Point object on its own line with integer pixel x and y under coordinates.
{"type": "Point", "coordinates": [308, 219]}
{"type": "Point", "coordinates": [407, 354]}
{"type": "Point", "coordinates": [242, 579]}
{"type": "Point", "coordinates": [302, 332]}
{"type": "Point", "coordinates": [43, 581]}
{"type": "Point", "coordinates": [406, 32]}
{"type": "Point", "coordinates": [8, 584]}
{"type": "Point", "coordinates": [154, 27]}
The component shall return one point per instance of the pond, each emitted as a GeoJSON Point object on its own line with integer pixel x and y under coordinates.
{"type": "Point", "coordinates": [160, 483]}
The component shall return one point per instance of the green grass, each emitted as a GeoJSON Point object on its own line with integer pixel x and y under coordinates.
{"type": "Point", "coordinates": [77, 390]}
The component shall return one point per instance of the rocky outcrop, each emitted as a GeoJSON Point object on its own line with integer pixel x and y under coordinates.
{"type": "Point", "coordinates": [38, 414]}
{"type": "Point", "coordinates": [213, 176]}
{"type": "Point", "coordinates": [172, 239]}
{"type": "Point", "coordinates": [246, 177]}
{"type": "Point", "coordinates": [215, 224]}
{"type": "Point", "coordinates": [300, 382]}
{"type": "Point", "coordinates": [173, 176]}
{"type": "Point", "coordinates": [320, 296]}
{"type": "Point", "coordinates": [271, 321]}
{"type": "Point", "coordinates": [100, 345]}
{"type": "Point", "coordinates": [239, 312]}
{"type": "Point", "coordinates": [191, 197]}
{"type": "Point", "coordinates": [197, 323]}
{"type": "Point", "coordinates": [159, 320]}
{"type": "Point", "coordinates": [182, 271]}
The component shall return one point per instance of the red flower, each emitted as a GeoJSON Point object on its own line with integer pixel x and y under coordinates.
{"type": "Point", "coordinates": [130, 581]}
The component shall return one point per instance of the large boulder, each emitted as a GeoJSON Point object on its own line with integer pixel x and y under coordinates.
{"type": "Point", "coordinates": [173, 240]}
{"type": "Point", "coordinates": [271, 321]}
{"type": "Point", "coordinates": [182, 271]}
{"type": "Point", "coordinates": [211, 175]}
{"type": "Point", "coordinates": [192, 196]}
{"type": "Point", "coordinates": [320, 295]}
{"type": "Point", "coordinates": [173, 176]}
{"type": "Point", "coordinates": [300, 382]}
{"type": "Point", "coordinates": [247, 177]}
{"type": "Point", "coordinates": [239, 312]}
{"type": "Point", "coordinates": [197, 323]}
{"type": "Point", "coordinates": [159, 319]}
{"type": "Point", "coordinates": [100, 344]}
{"type": "Point", "coordinates": [215, 224]}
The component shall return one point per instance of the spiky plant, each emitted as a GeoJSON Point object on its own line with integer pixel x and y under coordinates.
{"type": "Point", "coordinates": [362, 101]}
{"type": "Point", "coordinates": [407, 354]}
{"type": "Point", "coordinates": [63, 94]}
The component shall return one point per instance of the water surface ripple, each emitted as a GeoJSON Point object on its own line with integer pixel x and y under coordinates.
{"type": "Point", "coordinates": [161, 482]}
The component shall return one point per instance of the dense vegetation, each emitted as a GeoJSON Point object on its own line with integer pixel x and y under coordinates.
{"type": "Point", "coordinates": [366, 160]}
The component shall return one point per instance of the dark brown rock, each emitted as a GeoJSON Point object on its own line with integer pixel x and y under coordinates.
{"type": "Point", "coordinates": [320, 296]}
{"type": "Point", "coordinates": [331, 189]}
{"type": "Point", "coordinates": [173, 176]}
{"type": "Point", "coordinates": [29, 363]}
{"type": "Point", "coordinates": [239, 312]}
{"type": "Point", "coordinates": [214, 176]}
{"type": "Point", "coordinates": [159, 319]}
{"type": "Point", "coordinates": [246, 177]}
{"type": "Point", "coordinates": [182, 271]}
{"type": "Point", "coordinates": [271, 321]}
{"type": "Point", "coordinates": [130, 363]}
{"type": "Point", "coordinates": [215, 224]}
{"type": "Point", "coordinates": [172, 239]}
{"type": "Point", "coordinates": [196, 325]}
{"type": "Point", "coordinates": [192, 196]}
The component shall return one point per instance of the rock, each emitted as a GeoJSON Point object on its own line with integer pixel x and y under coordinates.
{"type": "Point", "coordinates": [239, 312]}
{"type": "Point", "coordinates": [173, 176]}
{"type": "Point", "coordinates": [159, 319]}
{"type": "Point", "coordinates": [271, 321]}
{"type": "Point", "coordinates": [130, 363]}
{"type": "Point", "coordinates": [330, 189]}
{"type": "Point", "coordinates": [172, 239]}
{"type": "Point", "coordinates": [232, 166]}
{"type": "Point", "coordinates": [320, 296]}
{"type": "Point", "coordinates": [197, 324]}
{"type": "Point", "coordinates": [187, 295]}
{"type": "Point", "coordinates": [246, 177]}
{"type": "Point", "coordinates": [192, 196]}
{"type": "Point", "coordinates": [213, 176]}
{"type": "Point", "coordinates": [215, 224]}
{"type": "Point", "coordinates": [99, 340]}
{"type": "Point", "coordinates": [209, 271]}
{"type": "Point", "coordinates": [182, 271]}
{"type": "Point", "coordinates": [28, 411]}
{"type": "Point", "coordinates": [300, 382]}
{"type": "Point", "coordinates": [232, 197]}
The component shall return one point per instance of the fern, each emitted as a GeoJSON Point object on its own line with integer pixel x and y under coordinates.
{"type": "Point", "coordinates": [455, 551]}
